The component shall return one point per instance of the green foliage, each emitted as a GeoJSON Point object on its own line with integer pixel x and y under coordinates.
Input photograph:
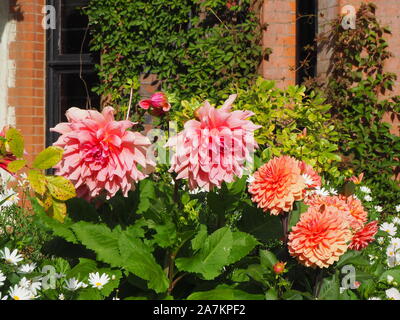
{"type": "Point", "coordinates": [48, 158]}
{"type": "Point", "coordinates": [223, 247]}
{"type": "Point", "coordinates": [15, 142]}
{"type": "Point", "coordinates": [284, 115]}
{"type": "Point", "coordinates": [358, 88]}
{"type": "Point", "coordinates": [224, 292]}
{"type": "Point", "coordinates": [194, 47]}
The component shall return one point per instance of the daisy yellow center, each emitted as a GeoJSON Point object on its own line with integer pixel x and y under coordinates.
{"type": "Point", "coordinates": [16, 298]}
{"type": "Point", "coordinates": [98, 284]}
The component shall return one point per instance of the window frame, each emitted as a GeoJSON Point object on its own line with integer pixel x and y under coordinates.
{"type": "Point", "coordinates": [57, 64]}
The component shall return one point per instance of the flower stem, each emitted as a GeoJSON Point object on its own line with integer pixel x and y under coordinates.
{"type": "Point", "coordinates": [318, 283]}
{"type": "Point", "coordinates": [285, 226]}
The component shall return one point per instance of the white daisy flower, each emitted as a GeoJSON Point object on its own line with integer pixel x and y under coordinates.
{"type": "Point", "coordinates": [98, 281]}
{"type": "Point", "coordinates": [374, 298]}
{"type": "Point", "coordinates": [23, 180]}
{"type": "Point", "coordinates": [4, 298]}
{"type": "Point", "coordinates": [372, 258]}
{"type": "Point", "coordinates": [381, 240]}
{"type": "Point", "coordinates": [27, 268]}
{"type": "Point", "coordinates": [11, 196]}
{"type": "Point", "coordinates": [2, 278]}
{"type": "Point", "coordinates": [321, 191]}
{"type": "Point", "coordinates": [11, 257]}
{"type": "Point", "coordinates": [395, 242]}
{"type": "Point", "coordinates": [368, 198]}
{"type": "Point", "coordinates": [397, 208]}
{"type": "Point", "coordinates": [60, 275]}
{"type": "Point", "coordinates": [389, 228]}
{"type": "Point", "coordinates": [393, 294]}
{"type": "Point", "coordinates": [250, 179]}
{"type": "Point", "coordinates": [24, 283]}
{"type": "Point", "coordinates": [365, 189]}
{"type": "Point", "coordinates": [61, 297]}
{"type": "Point", "coordinates": [389, 279]}
{"type": "Point", "coordinates": [393, 256]}
{"type": "Point", "coordinates": [378, 208]}
{"type": "Point", "coordinates": [74, 284]}
{"type": "Point", "coordinates": [333, 192]}
{"type": "Point", "coordinates": [31, 285]}
{"type": "Point", "coordinates": [197, 190]}
{"type": "Point", "coordinates": [20, 293]}
{"type": "Point", "coordinates": [396, 220]}
{"type": "Point", "coordinates": [35, 287]}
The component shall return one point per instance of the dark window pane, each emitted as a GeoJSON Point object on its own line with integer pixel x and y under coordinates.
{"type": "Point", "coordinates": [74, 94]}
{"type": "Point", "coordinates": [73, 28]}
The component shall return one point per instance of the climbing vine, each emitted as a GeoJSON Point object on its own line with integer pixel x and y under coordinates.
{"type": "Point", "coordinates": [195, 47]}
{"type": "Point", "coordinates": [359, 89]}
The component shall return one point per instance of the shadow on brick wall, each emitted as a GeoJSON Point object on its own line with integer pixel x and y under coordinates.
{"type": "Point", "coordinates": [9, 10]}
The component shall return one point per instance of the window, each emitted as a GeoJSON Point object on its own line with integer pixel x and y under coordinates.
{"type": "Point", "coordinates": [306, 32]}
{"type": "Point", "coordinates": [70, 65]}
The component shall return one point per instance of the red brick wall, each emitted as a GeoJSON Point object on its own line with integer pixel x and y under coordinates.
{"type": "Point", "coordinates": [388, 13]}
{"type": "Point", "coordinates": [28, 53]}
{"type": "Point", "coordinates": [281, 37]}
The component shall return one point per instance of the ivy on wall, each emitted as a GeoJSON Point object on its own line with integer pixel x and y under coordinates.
{"type": "Point", "coordinates": [195, 47]}
{"type": "Point", "coordinates": [359, 88]}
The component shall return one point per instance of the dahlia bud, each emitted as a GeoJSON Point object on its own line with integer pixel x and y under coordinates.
{"type": "Point", "coordinates": [158, 102]}
{"type": "Point", "coordinates": [279, 267]}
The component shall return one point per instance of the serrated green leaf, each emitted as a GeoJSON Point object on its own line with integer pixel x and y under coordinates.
{"type": "Point", "coordinates": [16, 165]}
{"type": "Point", "coordinates": [267, 259]}
{"type": "Point", "coordinates": [15, 141]}
{"type": "Point", "coordinates": [138, 259]}
{"type": "Point", "coordinates": [329, 288]}
{"type": "Point", "coordinates": [58, 210]}
{"type": "Point", "coordinates": [60, 188]}
{"type": "Point", "coordinates": [200, 237]}
{"type": "Point", "coordinates": [59, 229]}
{"type": "Point", "coordinates": [224, 292]}
{"type": "Point", "coordinates": [213, 255]}
{"type": "Point", "coordinates": [395, 273]}
{"type": "Point", "coordinates": [48, 158]}
{"type": "Point", "coordinates": [82, 269]}
{"type": "Point", "coordinates": [100, 239]}
{"type": "Point", "coordinates": [243, 244]}
{"type": "Point", "coordinates": [37, 181]}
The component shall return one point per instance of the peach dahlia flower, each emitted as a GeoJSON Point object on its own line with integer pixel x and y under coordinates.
{"type": "Point", "coordinates": [100, 154]}
{"type": "Point", "coordinates": [277, 184]}
{"type": "Point", "coordinates": [215, 147]}
{"type": "Point", "coordinates": [351, 206]}
{"type": "Point", "coordinates": [320, 237]}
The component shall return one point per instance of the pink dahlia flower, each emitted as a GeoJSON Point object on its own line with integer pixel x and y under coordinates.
{"type": "Point", "coordinates": [215, 147]}
{"type": "Point", "coordinates": [100, 154]}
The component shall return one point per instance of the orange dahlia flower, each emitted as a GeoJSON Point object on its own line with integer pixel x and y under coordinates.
{"type": "Point", "coordinates": [363, 237]}
{"type": "Point", "coordinates": [277, 184]}
{"type": "Point", "coordinates": [357, 212]}
{"type": "Point", "coordinates": [353, 208]}
{"type": "Point", "coordinates": [320, 237]}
